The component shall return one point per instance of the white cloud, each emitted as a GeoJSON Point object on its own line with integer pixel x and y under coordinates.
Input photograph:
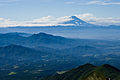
{"type": "Point", "coordinates": [44, 19]}
{"type": "Point", "coordinates": [88, 17]}
{"type": "Point", "coordinates": [95, 2]}
{"type": "Point", "coordinates": [70, 2]}
{"type": "Point", "coordinates": [62, 19]}
{"type": "Point", "coordinates": [1, 19]}
{"type": "Point", "coordinates": [102, 3]}
{"type": "Point", "coordinates": [7, 2]}
{"type": "Point", "coordinates": [51, 21]}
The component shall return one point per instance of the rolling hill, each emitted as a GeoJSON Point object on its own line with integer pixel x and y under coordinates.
{"type": "Point", "coordinates": [15, 54]}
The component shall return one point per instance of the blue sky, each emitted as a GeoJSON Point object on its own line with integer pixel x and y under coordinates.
{"type": "Point", "coordinates": [23, 10]}
{"type": "Point", "coordinates": [29, 9]}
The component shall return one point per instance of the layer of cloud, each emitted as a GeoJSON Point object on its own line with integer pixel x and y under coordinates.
{"type": "Point", "coordinates": [102, 3]}
{"type": "Point", "coordinates": [90, 18]}
{"type": "Point", "coordinates": [44, 21]}
{"type": "Point", "coordinates": [72, 2]}
{"type": "Point", "coordinates": [95, 2]}
{"type": "Point", "coordinates": [7, 2]}
{"type": "Point", "coordinates": [53, 21]}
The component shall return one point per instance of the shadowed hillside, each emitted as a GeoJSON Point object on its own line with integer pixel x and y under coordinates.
{"type": "Point", "coordinates": [89, 72]}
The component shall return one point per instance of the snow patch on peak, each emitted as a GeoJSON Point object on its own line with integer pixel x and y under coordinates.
{"type": "Point", "coordinates": [73, 20]}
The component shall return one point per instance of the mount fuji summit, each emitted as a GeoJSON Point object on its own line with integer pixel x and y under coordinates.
{"type": "Point", "coordinates": [75, 21]}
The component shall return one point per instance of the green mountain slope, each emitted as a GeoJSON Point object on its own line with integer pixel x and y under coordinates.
{"type": "Point", "coordinates": [89, 72]}
{"type": "Point", "coordinates": [94, 76]}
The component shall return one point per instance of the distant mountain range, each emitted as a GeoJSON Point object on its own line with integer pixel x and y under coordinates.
{"type": "Point", "coordinates": [44, 54]}
{"type": "Point", "coordinates": [40, 39]}
{"type": "Point", "coordinates": [88, 72]}
{"type": "Point", "coordinates": [18, 33]}
{"type": "Point", "coordinates": [44, 39]}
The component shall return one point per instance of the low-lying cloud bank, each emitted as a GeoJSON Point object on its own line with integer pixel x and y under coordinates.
{"type": "Point", "coordinates": [54, 21]}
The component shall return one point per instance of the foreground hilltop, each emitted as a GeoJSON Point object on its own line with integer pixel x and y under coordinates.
{"type": "Point", "coordinates": [89, 72]}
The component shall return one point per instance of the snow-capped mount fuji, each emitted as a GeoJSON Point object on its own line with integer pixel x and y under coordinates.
{"type": "Point", "coordinates": [75, 21]}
